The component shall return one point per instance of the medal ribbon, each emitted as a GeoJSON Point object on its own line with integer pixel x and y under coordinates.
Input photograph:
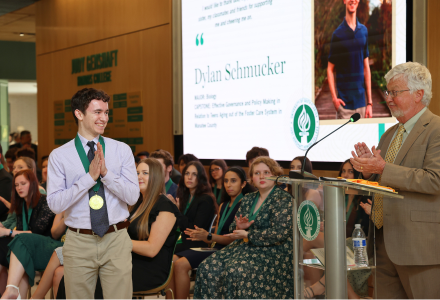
{"type": "Point", "coordinates": [85, 161]}
{"type": "Point", "coordinates": [168, 185]}
{"type": "Point", "coordinates": [26, 217]}
{"type": "Point", "coordinates": [227, 212]}
{"type": "Point", "coordinates": [219, 197]}
{"type": "Point", "coordinates": [253, 215]}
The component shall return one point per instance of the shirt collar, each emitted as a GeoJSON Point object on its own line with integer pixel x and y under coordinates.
{"type": "Point", "coordinates": [84, 140]}
{"type": "Point", "coordinates": [348, 27]}
{"type": "Point", "coordinates": [409, 125]}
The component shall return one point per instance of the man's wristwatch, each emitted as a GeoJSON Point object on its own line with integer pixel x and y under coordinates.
{"type": "Point", "coordinates": [209, 238]}
{"type": "Point", "coordinates": [10, 232]}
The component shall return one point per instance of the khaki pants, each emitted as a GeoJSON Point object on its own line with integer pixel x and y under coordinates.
{"type": "Point", "coordinates": [86, 256]}
{"type": "Point", "coordinates": [343, 113]}
{"type": "Point", "coordinates": [404, 282]}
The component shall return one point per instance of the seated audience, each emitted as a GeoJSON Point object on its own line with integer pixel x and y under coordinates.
{"type": "Point", "coordinates": [52, 275]}
{"type": "Point", "coordinates": [308, 194]}
{"type": "Point", "coordinates": [216, 170]}
{"type": "Point", "coordinates": [26, 142]}
{"type": "Point", "coordinates": [30, 253]}
{"type": "Point", "coordinates": [255, 152]}
{"type": "Point", "coordinates": [296, 164]}
{"type": "Point", "coordinates": [28, 152]}
{"type": "Point", "coordinates": [166, 160]}
{"type": "Point", "coordinates": [235, 186]}
{"type": "Point", "coordinates": [10, 159]}
{"type": "Point", "coordinates": [45, 162]}
{"type": "Point", "coordinates": [184, 159]}
{"type": "Point", "coordinates": [175, 175]}
{"type": "Point", "coordinates": [353, 203]}
{"type": "Point", "coordinates": [153, 231]}
{"type": "Point", "coordinates": [32, 213]}
{"type": "Point", "coordinates": [143, 155]}
{"type": "Point", "coordinates": [25, 152]}
{"type": "Point", "coordinates": [196, 203]}
{"type": "Point", "coordinates": [24, 163]}
{"type": "Point", "coordinates": [5, 187]}
{"type": "Point", "coordinates": [258, 264]}
{"type": "Point", "coordinates": [7, 220]}
{"type": "Point", "coordinates": [14, 138]}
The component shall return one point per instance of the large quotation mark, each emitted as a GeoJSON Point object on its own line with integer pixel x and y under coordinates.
{"type": "Point", "coordinates": [201, 39]}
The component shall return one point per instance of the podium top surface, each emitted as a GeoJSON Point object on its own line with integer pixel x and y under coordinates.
{"type": "Point", "coordinates": [349, 187]}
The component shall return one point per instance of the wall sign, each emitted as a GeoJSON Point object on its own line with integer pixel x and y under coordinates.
{"type": "Point", "coordinates": [95, 62]}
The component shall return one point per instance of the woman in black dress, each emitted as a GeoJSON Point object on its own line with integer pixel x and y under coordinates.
{"type": "Point", "coordinates": [153, 228]}
{"type": "Point", "coordinates": [234, 188]}
{"type": "Point", "coordinates": [197, 205]}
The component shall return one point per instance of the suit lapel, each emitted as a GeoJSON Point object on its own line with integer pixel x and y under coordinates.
{"type": "Point", "coordinates": [419, 127]}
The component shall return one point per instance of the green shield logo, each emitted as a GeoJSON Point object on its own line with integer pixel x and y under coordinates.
{"type": "Point", "coordinates": [304, 124]}
{"type": "Point", "coordinates": [308, 220]}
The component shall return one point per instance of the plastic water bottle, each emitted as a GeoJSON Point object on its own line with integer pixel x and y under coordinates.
{"type": "Point", "coordinates": [359, 247]}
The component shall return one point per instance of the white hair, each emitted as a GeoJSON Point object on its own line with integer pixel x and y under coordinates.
{"type": "Point", "coordinates": [417, 77]}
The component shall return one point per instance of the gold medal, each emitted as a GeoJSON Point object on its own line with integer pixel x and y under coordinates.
{"type": "Point", "coordinates": [96, 202]}
{"type": "Point", "coordinates": [63, 238]}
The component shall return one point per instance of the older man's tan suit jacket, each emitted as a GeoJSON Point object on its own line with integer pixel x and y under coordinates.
{"type": "Point", "coordinates": [412, 225]}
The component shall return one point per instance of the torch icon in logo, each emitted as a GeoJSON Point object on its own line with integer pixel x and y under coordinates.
{"type": "Point", "coordinates": [304, 125]}
{"type": "Point", "coordinates": [308, 220]}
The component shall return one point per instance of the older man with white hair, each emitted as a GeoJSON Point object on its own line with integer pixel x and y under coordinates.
{"type": "Point", "coordinates": [407, 158]}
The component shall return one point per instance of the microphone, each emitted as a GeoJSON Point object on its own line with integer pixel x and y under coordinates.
{"type": "Point", "coordinates": [292, 174]}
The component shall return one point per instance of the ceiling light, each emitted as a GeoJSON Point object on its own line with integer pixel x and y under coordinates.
{"type": "Point", "coordinates": [21, 34]}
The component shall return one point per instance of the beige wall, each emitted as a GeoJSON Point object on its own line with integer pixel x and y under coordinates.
{"type": "Point", "coordinates": [141, 32]}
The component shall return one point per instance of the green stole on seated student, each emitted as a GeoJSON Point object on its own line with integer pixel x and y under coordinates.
{"type": "Point", "coordinates": [26, 217]}
{"type": "Point", "coordinates": [168, 185]}
{"type": "Point", "coordinates": [179, 241]}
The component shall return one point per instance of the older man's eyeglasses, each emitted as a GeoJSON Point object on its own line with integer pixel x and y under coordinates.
{"type": "Point", "coordinates": [393, 94]}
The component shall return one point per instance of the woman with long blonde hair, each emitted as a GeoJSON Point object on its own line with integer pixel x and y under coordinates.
{"type": "Point", "coordinates": [153, 229]}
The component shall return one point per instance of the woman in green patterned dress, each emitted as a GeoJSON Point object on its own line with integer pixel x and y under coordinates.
{"type": "Point", "coordinates": [258, 264]}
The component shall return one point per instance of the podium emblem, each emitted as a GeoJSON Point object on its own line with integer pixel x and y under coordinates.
{"type": "Point", "coordinates": [304, 124]}
{"type": "Point", "coordinates": [308, 219]}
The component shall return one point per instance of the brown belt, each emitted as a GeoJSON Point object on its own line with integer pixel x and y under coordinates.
{"type": "Point", "coordinates": [119, 226]}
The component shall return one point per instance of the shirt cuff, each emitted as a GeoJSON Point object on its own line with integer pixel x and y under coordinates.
{"type": "Point", "coordinates": [108, 178]}
{"type": "Point", "coordinates": [88, 181]}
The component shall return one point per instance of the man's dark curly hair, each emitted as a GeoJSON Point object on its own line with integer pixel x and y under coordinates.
{"type": "Point", "coordinates": [82, 99]}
